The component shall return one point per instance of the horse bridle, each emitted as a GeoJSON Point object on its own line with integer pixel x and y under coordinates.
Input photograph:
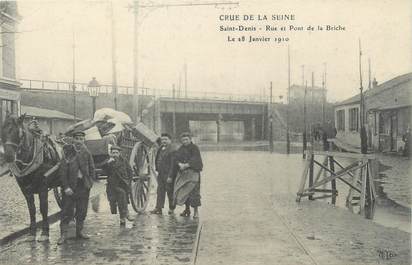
{"type": "Point", "coordinates": [21, 137]}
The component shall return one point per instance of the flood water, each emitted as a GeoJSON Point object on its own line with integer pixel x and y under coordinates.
{"type": "Point", "coordinates": [393, 192]}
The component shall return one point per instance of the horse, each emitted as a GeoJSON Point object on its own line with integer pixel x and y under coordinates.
{"type": "Point", "coordinates": [30, 156]}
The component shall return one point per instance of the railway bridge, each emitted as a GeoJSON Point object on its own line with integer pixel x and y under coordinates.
{"type": "Point", "coordinates": [209, 116]}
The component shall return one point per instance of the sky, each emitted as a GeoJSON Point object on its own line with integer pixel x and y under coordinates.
{"type": "Point", "coordinates": [169, 37]}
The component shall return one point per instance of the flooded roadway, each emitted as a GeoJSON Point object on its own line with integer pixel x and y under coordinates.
{"type": "Point", "coordinates": [151, 239]}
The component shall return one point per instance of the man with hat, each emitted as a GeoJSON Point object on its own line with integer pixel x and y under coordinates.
{"type": "Point", "coordinates": [77, 174]}
{"type": "Point", "coordinates": [34, 127]}
{"type": "Point", "coordinates": [166, 174]}
{"type": "Point", "coordinates": [119, 177]}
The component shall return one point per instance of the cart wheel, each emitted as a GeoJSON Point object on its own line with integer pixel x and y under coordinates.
{"type": "Point", "coordinates": [57, 191]}
{"type": "Point", "coordinates": [140, 162]}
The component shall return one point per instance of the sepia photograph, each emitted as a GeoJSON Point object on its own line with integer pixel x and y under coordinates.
{"type": "Point", "coordinates": [205, 132]}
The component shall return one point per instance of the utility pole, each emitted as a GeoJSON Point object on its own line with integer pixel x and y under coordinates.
{"type": "Point", "coordinates": [304, 122]}
{"type": "Point", "coordinates": [74, 79]}
{"type": "Point", "coordinates": [312, 109]}
{"type": "Point", "coordinates": [114, 74]}
{"type": "Point", "coordinates": [287, 108]}
{"type": "Point", "coordinates": [136, 7]}
{"type": "Point", "coordinates": [363, 136]}
{"type": "Point", "coordinates": [135, 63]}
{"type": "Point", "coordinates": [185, 71]}
{"type": "Point", "coordinates": [174, 111]}
{"type": "Point", "coordinates": [270, 120]}
{"type": "Point", "coordinates": [323, 95]}
{"type": "Point", "coordinates": [180, 85]}
{"type": "Point", "coordinates": [369, 72]}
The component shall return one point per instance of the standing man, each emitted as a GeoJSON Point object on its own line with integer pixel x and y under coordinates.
{"type": "Point", "coordinates": [187, 184]}
{"type": "Point", "coordinates": [166, 174]}
{"type": "Point", "coordinates": [77, 174]}
{"type": "Point", "coordinates": [119, 177]}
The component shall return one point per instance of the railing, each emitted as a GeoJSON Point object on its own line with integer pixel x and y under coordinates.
{"type": "Point", "coordinates": [59, 86]}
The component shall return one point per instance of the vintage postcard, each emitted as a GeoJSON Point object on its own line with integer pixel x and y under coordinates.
{"type": "Point", "coordinates": [205, 132]}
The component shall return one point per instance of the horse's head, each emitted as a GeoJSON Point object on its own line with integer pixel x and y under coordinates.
{"type": "Point", "coordinates": [12, 134]}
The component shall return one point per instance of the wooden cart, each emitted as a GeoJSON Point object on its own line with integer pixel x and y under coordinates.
{"type": "Point", "coordinates": [140, 153]}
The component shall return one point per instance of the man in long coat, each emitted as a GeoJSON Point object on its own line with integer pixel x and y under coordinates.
{"type": "Point", "coordinates": [77, 174]}
{"type": "Point", "coordinates": [119, 177]}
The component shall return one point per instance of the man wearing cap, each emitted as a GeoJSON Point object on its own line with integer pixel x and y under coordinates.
{"type": "Point", "coordinates": [119, 177]}
{"type": "Point", "coordinates": [77, 174]}
{"type": "Point", "coordinates": [166, 174]}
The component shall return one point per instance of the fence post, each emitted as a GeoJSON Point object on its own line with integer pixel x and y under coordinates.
{"type": "Point", "coordinates": [333, 182]}
{"type": "Point", "coordinates": [311, 158]}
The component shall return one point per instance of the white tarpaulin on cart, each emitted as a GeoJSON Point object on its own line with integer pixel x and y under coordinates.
{"type": "Point", "coordinates": [111, 115]}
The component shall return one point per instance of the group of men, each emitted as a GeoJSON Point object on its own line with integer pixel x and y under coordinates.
{"type": "Point", "coordinates": [178, 176]}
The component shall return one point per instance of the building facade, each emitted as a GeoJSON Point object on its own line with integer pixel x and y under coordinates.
{"type": "Point", "coordinates": [314, 94]}
{"type": "Point", "coordinates": [387, 115]}
{"type": "Point", "coordinates": [9, 86]}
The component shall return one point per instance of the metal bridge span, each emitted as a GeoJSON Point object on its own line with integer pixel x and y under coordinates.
{"type": "Point", "coordinates": [158, 109]}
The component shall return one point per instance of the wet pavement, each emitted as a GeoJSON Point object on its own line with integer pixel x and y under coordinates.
{"type": "Point", "coordinates": [14, 214]}
{"type": "Point", "coordinates": [249, 216]}
{"type": "Point", "coordinates": [151, 239]}
{"type": "Point", "coordinates": [396, 178]}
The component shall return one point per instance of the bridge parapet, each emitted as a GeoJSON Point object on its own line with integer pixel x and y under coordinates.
{"type": "Point", "coordinates": [67, 87]}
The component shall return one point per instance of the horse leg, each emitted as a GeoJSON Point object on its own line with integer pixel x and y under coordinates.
{"type": "Point", "coordinates": [44, 205]}
{"type": "Point", "coordinates": [32, 211]}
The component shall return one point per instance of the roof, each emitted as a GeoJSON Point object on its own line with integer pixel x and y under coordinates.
{"type": "Point", "coordinates": [392, 107]}
{"type": "Point", "coordinates": [374, 91]}
{"type": "Point", "coordinates": [45, 113]}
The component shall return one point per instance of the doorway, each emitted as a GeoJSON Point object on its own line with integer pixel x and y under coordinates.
{"type": "Point", "coordinates": [394, 131]}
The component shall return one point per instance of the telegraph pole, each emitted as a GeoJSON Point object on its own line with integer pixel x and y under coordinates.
{"type": "Point", "coordinates": [323, 95]}
{"type": "Point", "coordinates": [363, 137]}
{"type": "Point", "coordinates": [174, 111]}
{"type": "Point", "coordinates": [304, 122]}
{"type": "Point", "coordinates": [74, 79]}
{"type": "Point", "coordinates": [185, 71]}
{"type": "Point", "coordinates": [136, 7]}
{"type": "Point", "coordinates": [135, 63]}
{"type": "Point", "coordinates": [270, 120]}
{"type": "Point", "coordinates": [312, 110]}
{"type": "Point", "coordinates": [287, 109]}
{"type": "Point", "coordinates": [114, 75]}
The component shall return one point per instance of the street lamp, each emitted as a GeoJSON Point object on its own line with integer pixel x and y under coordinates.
{"type": "Point", "coordinates": [93, 87]}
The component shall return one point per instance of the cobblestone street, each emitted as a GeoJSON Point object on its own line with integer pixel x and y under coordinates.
{"type": "Point", "coordinates": [248, 216]}
{"type": "Point", "coordinates": [151, 239]}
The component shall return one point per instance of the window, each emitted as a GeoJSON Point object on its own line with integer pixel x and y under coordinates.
{"type": "Point", "coordinates": [381, 123]}
{"type": "Point", "coordinates": [340, 117]}
{"type": "Point", "coordinates": [354, 119]}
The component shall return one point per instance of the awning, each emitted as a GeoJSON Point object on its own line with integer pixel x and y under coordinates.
{"type": "Point", "coordinates": [9, 94]}
{"type": "Point", "coordinates": [391, 107]}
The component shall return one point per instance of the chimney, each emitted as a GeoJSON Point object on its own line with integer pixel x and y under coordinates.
{"type": "Point", "coordinates": [374, 83]}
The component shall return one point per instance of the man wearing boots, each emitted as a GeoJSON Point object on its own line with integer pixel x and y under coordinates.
{"type": "Point", "coordinates": [119, 177]}
{"type": "Point", "coordinates": [166, 174]}
{"type": "Point", "coordinates": [77, 174]}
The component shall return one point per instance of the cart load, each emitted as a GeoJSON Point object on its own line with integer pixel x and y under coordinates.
{"type": "Point", "coordinates": [110, 127]}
